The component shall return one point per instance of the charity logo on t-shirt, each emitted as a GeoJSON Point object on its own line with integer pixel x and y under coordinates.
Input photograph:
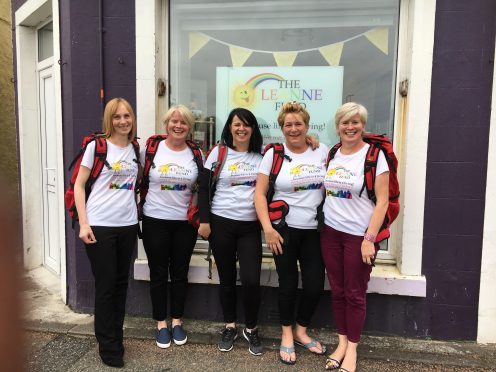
{"type": "Point", "coordinates": [242, 174]}
{"type": "Point", "coordinates": [121, 171]}
{"type": "Point", "coordinates": [339, 182]}
{"type": "Point", "coordinates": [173, 177]}
{"type": "Point", "coordinates": [305, 177]}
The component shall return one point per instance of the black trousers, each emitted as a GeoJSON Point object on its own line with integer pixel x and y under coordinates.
{"type": "Point", "coordinates": [242, 239]}
{"type": "Point", "coordinates": [110, 258]}
{"type": "Point", "coordinates": [169, 246]}
{"type": "Point", "coordinates": [303, 247]}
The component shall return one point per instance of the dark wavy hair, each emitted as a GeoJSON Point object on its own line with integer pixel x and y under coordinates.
{"type": "Point", "coordinates": [247, 117]}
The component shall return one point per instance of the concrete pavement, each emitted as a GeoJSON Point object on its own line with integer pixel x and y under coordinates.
{"type": "Point", "coordinates": [58, 339]}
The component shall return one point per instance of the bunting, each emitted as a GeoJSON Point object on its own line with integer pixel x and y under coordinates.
{"type": "Point", "coordinates": [285, 59]}
{"type": "Point", "coordinates": [239, 55]}
{"type": "Point", "coordinates": [197, 41]}
{"type": "Point", "coordinates": [332, 53]}
{"type": "Point", "coordinates": [379, 37]}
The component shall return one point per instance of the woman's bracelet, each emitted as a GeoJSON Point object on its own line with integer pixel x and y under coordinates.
{"type": "Point", "coordinates": [370, 237]}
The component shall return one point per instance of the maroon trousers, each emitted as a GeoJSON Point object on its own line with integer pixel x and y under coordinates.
{"type": "Point", "coordinates": [348, 277]}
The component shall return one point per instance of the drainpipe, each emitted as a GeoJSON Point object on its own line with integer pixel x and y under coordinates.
{"type": "Point", "coordinates": [100, 44]}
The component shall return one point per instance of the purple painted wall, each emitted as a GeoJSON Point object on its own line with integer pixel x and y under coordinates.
{"type": "Point", "coordinates": [462, 77]}
{"type": "Point", "coordinates": [80, 54]}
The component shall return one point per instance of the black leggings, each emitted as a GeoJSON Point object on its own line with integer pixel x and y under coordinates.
{"type": "Point", "coordinates": [303, 247]}
{"type": "Point", "coordinates": [230, 239]}
{"type": "Point", "coordinates": [110, 258]}
{"type": "Point", "coordinates": [169, 246]}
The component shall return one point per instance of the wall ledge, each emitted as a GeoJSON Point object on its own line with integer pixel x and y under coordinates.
{"type": "Point", "coordinates": [385, 279]}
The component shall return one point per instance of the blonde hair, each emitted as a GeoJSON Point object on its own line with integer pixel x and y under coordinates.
{"type": "Point", "coordinates": [348, 110]}
{"type": "Point", "coordinates": [110, 109]}
{"type": "Point", "coordinates": [185, 113]}
{"type": "Point", "coordinates": [292, 108]}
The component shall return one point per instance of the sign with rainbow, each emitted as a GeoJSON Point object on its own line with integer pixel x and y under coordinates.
{"type": "Point", "coordinates": [263, 90]}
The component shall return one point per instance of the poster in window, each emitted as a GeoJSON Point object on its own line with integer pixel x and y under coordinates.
{"type": "Point", "coordinates": [263, 90]}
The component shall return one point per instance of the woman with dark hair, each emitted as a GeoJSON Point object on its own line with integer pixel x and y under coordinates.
{"type": "Point", "coordinates": [229, 221]}
{"type": "Point", "coordinates": [108, 224]}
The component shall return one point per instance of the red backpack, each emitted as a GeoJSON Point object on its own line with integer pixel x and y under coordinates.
{"type": "Point", "coordinates": [379, 142]}
{"type": "Point", "coordinates": [278, 209]}
{"type": "Point", "coordinates": [151, 150]}
{"type": "Point", "coordinates": [99, 162]}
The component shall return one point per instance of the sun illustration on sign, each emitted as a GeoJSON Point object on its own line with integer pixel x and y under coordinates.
{"type": "Point", "coordinates": [244, 95]}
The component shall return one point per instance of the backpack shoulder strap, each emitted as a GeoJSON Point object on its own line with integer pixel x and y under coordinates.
{"type": "Point", "coordinates": [216, 168]}
{"type": "Point", "coordinates": [369, 171]}
{"type": "Point", "coordinates": [197, 154]}
{"type": "Point", "coordinates": [151, 148]}
{"type": "Point", "coordinates": [332, 153]}
{"type": "Point", "coordinates": [99, 161]}
{"type": "Point", "coordinates": [221, 159]}
{"type": "Point", "coordinates": [150, 152]}
{"type": "Point", "coordinates": [277, 160]}
{"type": "Point", "coordinates": [136, 148]}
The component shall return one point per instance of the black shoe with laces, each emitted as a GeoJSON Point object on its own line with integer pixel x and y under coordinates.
{"type": "Point", "coordinates": [229, 335]}
{"type": "Point", "coordinates": [256, 347]}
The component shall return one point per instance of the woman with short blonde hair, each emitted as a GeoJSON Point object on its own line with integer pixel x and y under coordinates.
{"type": "Point", "coordinates": [299, 184]}
{"type": "Point", "coordinates": [352, 221]}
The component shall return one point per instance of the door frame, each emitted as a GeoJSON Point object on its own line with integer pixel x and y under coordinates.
{"type": "Point", "coordinates": [28, 18]}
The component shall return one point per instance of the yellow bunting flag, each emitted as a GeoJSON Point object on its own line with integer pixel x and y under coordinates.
{"type": "Point", "coordinates": [332, 53]}
{"type": "Point", "coordinates": [197, 41]}
{"type": "Point", "coordinates": [239, 55]}
{"type": "Point", "coordinates": [285, 58]}
{"type": "Point", "coordinates": [379, 37]}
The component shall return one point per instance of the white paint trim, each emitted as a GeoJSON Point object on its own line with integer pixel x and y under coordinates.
{"type": "Point", "coordinates": [60, 148]}
{"type": "Point", "coordinates": [31, 14]}
{"type": "Point", "coordinates": [415, 64]}
{"type": "Point", "coordinates": [151, 64]}
{"type": "Point", "coordinates": [487, 300]}
{"type": "Point", "coordinates": [385, 279]}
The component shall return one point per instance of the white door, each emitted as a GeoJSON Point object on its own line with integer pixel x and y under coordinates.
{"type": "Point", "coordinates": [49, 171]}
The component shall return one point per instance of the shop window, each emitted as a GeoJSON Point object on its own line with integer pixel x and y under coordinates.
{"type": "Point", "coordinates": [321, 53]}
{"type": "Point", "coordinates": [260, 54]}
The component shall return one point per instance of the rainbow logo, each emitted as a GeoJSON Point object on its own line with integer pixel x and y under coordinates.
{"type": "Point", "coordinates": [244, 94]}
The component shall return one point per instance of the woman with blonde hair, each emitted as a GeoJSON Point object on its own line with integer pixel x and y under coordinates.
{"type": "Point", "coordinates": [352, 221]}
{"type": "Point", "coordinates": [168, 238]}
{"type": "Point", "coordinates": [300, 185]}
{"type": "Point", "coordinates": [109, 224]}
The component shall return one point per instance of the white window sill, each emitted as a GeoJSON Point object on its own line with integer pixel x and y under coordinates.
{"type": "Point", "coordinates": [385, 279]}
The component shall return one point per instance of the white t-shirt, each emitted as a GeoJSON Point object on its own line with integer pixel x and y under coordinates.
{"type": "Point", "coordinates": [344, 209]}
{"type": "Point", "coordinates": [300, 184]}
{"type": "Point", "coordinates": [236, 184]}
{"type": "Point", "coordinates": [112, 198]}
{"type": "Point", "coordinates": [171, 181]}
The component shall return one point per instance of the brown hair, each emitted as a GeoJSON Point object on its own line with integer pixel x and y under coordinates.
{"type": "Point", "coordinates": [110, 109]}
{"type": "Point", "coordinates": [293, 108]}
